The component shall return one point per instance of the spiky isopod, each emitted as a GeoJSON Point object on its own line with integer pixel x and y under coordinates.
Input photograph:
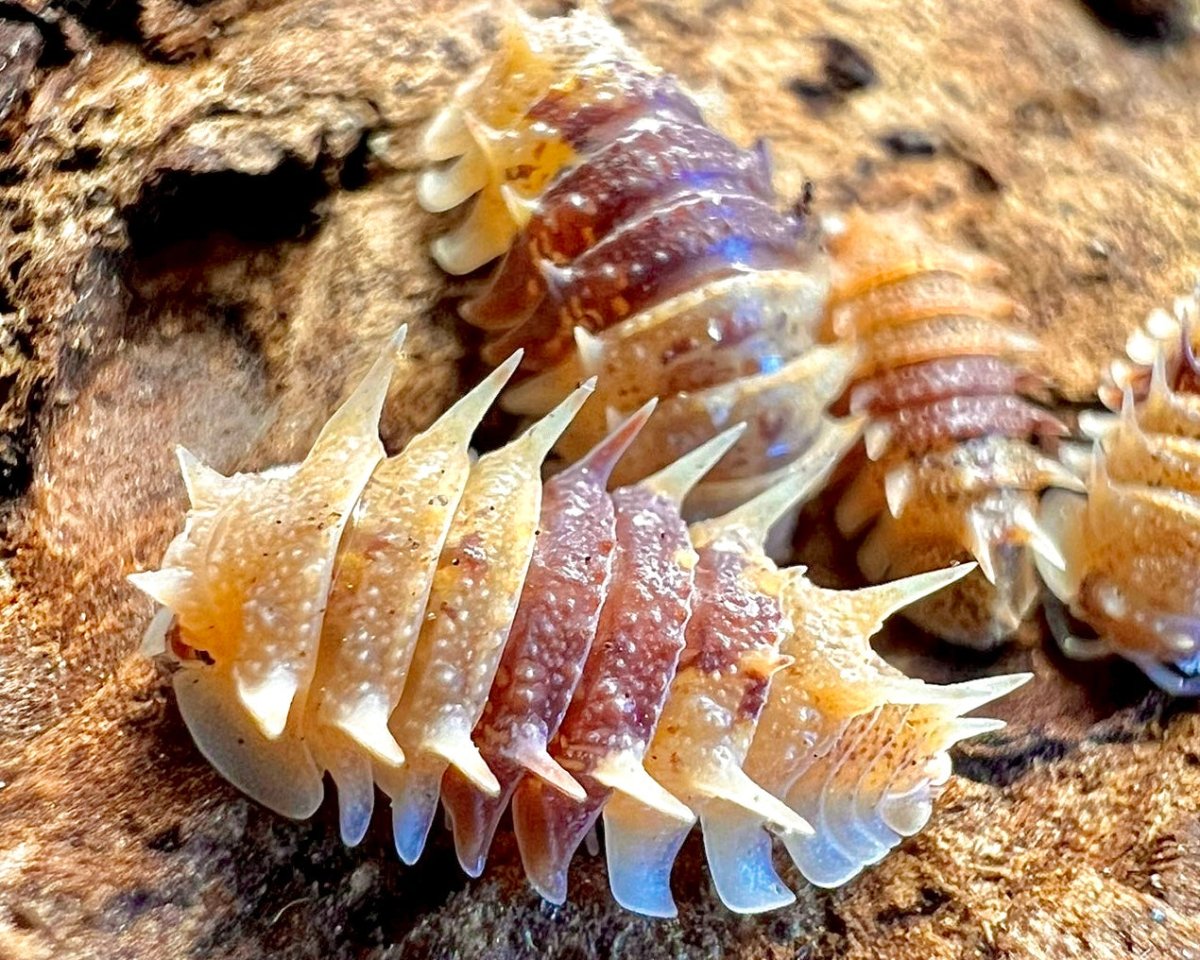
{"type": "Point", "coordinates": [638, 245]}
{"type": "Point", "coordinates": [954, 470]}
{"type": "Point", "coordinates": [1130, 544]}
{"type": "Point", "coordinates": [454, 629]}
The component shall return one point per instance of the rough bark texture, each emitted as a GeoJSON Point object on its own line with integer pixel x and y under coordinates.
{"type": "Point", "coordinates": [206, 227]}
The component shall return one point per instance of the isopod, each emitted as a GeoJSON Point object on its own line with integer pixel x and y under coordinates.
{"type": "Point", "coordinates": [455, 629]}
{"type": "Point", "coordinates": [1130, 544]}
{"type": "Point", "coordinates": [953, 466]}
{"type": "Point", "coordinates": [638, 245]}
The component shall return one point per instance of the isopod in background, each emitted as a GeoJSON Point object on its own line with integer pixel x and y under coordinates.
{"type": "Point", "coordinates": [641, 247]}
{"type": "Point", "coordinates": [1130, 543]}
{"type": "Point", "coordinates": [454, 629]}
{"type": "Point", "coordinates": [637, 245]}
{"type": "Point", "coordinates": [954, 465]}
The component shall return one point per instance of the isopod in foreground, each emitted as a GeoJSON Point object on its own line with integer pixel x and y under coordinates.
{"type": "Point", "coordinates": [459, 630]}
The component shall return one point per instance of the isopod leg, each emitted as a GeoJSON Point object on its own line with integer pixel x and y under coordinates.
{"type": "Point", "coordinates": [279, 774]}
{"type": "Point", "coordinates": [474, 815]}
{"type": "Point", "coordinates": [549, 829]}
{"type": "Point", "coordinates": [739, 859]}
{"type": "Point", "coordinates": [641, 846]}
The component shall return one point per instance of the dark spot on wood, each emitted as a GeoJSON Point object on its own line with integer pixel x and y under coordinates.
{"type": "Point", "coordinates": [931, 900]}
{"type": "Point", "coordinates": [1010, 759]}
{"type": "Point", "coordinates": [982, 179]}
{"type": "Point", "coordinates": [167, 840]}
{"type": "Point", "coordinates": [814, 92]}
{"type": "Point", "coordinates": [180, 205]}
{"type": "Point", "coordinates": [906, 142]}
{"type": "Point", "coordinates": [847, 68]}
{"type": "Point", "coordinates": [79, 160]}
{"type": "Point", "coordinates": [1153, 21]}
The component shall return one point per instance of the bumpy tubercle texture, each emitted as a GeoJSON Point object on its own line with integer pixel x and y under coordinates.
{"type": "Point", "coordinates": [1131, 541]}
{"type": "Point", "coordinates": [953, 467]}
{"type": "Point", "coordinates": [477, 635]}
{"type": "Point", "coordinates": [637, 245]}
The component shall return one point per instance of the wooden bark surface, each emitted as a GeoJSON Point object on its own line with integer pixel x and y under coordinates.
{"type": "Point", "coordinates": [207, 225]}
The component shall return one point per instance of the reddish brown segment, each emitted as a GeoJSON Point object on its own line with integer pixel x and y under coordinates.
{"type": "Point", "coordinates": [918, 429]}
{"type": "Point", "coordinates": [698, 237]}
{"type": "Point", "coordinates": [549, 642]}
{"type": "Point", "coordinates": [599, 105]}
{"type": "Point", "coordinates": [919, 383]}
{"type": "Point", "coordinates": [620, 696]}
{"type": "Point", "coordinates": [644, 167]}
{"type": "Point", "coordinates": [731, 618]}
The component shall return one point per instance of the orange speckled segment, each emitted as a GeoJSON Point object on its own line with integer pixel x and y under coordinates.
{"type": "Point", "coordinates": [1130, 543]}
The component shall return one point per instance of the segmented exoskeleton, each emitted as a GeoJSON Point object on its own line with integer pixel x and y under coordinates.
{"type": "Point", "coordinates": [953, 468]}
{"type": "Point", "coordinates": [456, 629]}
{"type": "Point", "coordinates": [1131, 544]}
{"type": "Point", "coordinates": [638, 245]}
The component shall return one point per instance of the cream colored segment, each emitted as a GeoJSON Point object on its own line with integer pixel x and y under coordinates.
{"type": "Point", "coordinates": [700, 742]}
{"type": "Point", "coordinates": [628, 357]}
{"type": "Point", "coordinates": [939, 337]}
{"type": "Point", "coordinates": [483, 236]}
{"type": "Point", "coordinates": [385, 570]}
{"type": "Point", "coordinates": [623, 771]}
{"type": "Point", "coordinates": [250, 573]}
{"type": "Point", "coordinates": [917, 296]}
{"type": "Point", "coordinates": [835, 675]}
{"type": "Point", "coordinates": [675, 482]}
{"type": "Point", "coordinates": [474, 598]}
{"type": "Point", "coordinates": [1063, 517]}
{"type": "Point", "coordinates": [286, 565]}
{"type": "Point", "coordinates": [1154, 460]}
{"type": "Point", "coordinates": [1145, 539]}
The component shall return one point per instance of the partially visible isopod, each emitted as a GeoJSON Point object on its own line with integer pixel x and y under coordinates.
{"type": "Point", "coordinates": [452, 629]}
{"type": "Point", "coordinates": [640, 246]}
{"type": "Point", "coordinates": [953, 467]}
{"type": "Point", "coordinates": [1131, 543]}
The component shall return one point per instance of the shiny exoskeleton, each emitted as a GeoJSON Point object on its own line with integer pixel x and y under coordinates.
{"type": "Point", "coordinates": [453, 629]}
{"type": "Point", "coordinates": [1130, 543]}
{"type": "Point", "coordinates": [953, 467]}
{"type": "Point", "coordinates": [638, 245]}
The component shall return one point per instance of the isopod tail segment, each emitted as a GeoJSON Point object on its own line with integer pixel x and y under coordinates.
{"type": "Point", "coordinates": [636, 244]}
{"type": "Point", "coordinates": [582, 652]}
{"type": "Point", "coordinates": [955, 444]}
{"type": "Point", "coordinates": [1129, 541]}
{"type": "Point", "coordinates": [877, 739]}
